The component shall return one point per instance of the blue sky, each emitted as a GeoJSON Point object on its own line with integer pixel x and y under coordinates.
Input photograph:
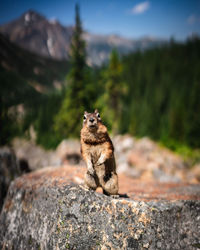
{"type": "Point", "coordinates": [129, 18]}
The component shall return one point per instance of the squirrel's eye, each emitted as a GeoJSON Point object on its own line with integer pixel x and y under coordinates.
{"type": "Point", "coordinates": [98, 115]}
{"type": "Point", "coordinates": [84, 117]}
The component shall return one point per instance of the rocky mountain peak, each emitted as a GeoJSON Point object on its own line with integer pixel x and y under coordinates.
{"type": "Point", "coordinates": [49, 38]}
{"type": "Point", "coordinates": [32, 16]}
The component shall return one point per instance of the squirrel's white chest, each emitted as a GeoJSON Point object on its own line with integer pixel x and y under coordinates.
{"type": "Point", "coordinates": [95, 152]}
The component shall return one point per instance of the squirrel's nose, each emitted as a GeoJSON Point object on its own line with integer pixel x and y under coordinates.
{"type": "Point", "coordinates": [91, 120]}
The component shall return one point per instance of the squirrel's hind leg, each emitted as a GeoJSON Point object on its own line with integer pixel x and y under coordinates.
{"type": "Point", "coordinates": [114, 196]}
{"type": "Point", "coordinates": [110, 185]}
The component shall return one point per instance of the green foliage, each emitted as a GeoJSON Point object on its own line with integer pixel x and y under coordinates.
{"type": "Point", "coordinates": [44, 124]}
{"type": "Point", "coordinates": [114, 89]}
{"type": "Point", "coordinates": [22, 106]}
{"type": "Point", "coordinates": [79, 91]}
{"type": "Point", "coordinates": [182, 149]}
{"type": "Point", "coordinates": [164, 93]}
{"type": "Point", "coordinates": [14, 91]}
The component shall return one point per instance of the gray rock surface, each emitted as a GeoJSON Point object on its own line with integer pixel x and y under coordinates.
{"type": "Point", "coordinates": [36, 156]}
{"type": "Point", "coordinates": [9, 169]}
{"type": "Point", "coordinates": [46, 210]}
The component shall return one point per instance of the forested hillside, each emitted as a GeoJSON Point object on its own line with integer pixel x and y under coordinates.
{"type": "Point", "coordinates": [163, 100]}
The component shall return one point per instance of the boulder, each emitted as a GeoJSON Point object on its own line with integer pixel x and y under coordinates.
{"type": "Point", "coordinates": [146, 160]}
{"type": "Point", "coordinates": [35, 156]}
{"type": "Point", "coordinates": [69, 152]}
{"type": "Point", "coordinates": [9, 169]}
{"type": "Point", "coordinates": [47, 209]}
{"type": "Point", "coordinates": [157, 163]}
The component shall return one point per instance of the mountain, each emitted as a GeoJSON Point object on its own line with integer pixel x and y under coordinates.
{"type": "Point", "coordinates": [34, 32]}
{"type": "Point", "coordinates": [49, 38]}
{"type": "Point", "coordinates": [40, 72]}
{"type": "Point", "coordinates": [99, 47]}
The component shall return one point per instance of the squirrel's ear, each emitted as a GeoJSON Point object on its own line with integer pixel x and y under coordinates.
{"type": "Point", "coordinates": [85, 113]}
{"type": "Point", "coordinates": [96, 111]}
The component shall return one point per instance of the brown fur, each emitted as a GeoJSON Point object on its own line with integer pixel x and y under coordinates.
{"type": "Point", "coordinates": [98, 152]}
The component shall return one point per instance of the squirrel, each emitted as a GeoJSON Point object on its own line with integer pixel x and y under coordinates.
{"type": "Point", "coordinates": [98, 152]}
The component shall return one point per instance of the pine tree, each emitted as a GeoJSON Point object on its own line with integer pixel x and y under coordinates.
{"type": "Point", "coordinates": [67, 121]}
{"type": "Point", "coordinates": [115, 89]}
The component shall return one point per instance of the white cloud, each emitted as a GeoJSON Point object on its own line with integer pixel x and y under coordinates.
{"type": "Point", "coordinates": [140, 8]}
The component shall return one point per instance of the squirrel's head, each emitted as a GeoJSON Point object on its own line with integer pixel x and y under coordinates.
{"type": "Point", "coordinates": [91, 120]}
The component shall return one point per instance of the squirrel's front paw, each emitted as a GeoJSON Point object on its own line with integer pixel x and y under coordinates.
{"type": "Point", "coordinates": [99, 163]}
{"type": "Point", "coordinates": [90, 168]}
{"type": "Point", "coordinates": [91, 171]}
{"type": "Point", "coordinates": [101, 160]}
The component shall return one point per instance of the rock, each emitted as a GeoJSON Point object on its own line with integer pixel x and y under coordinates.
{"type": "Point", "coordinates": [35, 156]}
{"type": "Point", "coordinates": [146, 160]}
{"type": "Point", "coordinates": [69, 152]}
{"type": "Point", "coordinates": [9, 169]}
{"type": "Point", "coordinates": [195, 173]}
{"type": "Point", "coordinates": [123, 144]}
{"type": "Point", "coordinates": [24, 166]}
{"type": "Point", "coordinates": [47, 210]}
{"type": "Point", "coordinates": [156, 163]}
